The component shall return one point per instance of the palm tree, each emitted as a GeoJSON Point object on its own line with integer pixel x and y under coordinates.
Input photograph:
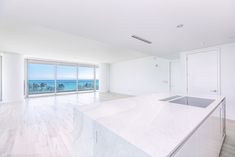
{"type": "Point", "coordinates": [35, 87]}
{"type": "Point", "coordinates": [43, 85]}
{"type": "Point", "coordinates": [60, 86]}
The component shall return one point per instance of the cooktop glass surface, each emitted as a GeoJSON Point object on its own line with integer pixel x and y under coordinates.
{"type": "Point", "coordinates": [193, 101]}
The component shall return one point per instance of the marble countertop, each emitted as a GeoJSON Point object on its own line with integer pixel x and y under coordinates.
{"type": "Point", "coordinates": [155, 127]}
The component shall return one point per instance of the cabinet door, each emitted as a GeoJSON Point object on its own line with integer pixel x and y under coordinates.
{"type": "Point", "coordinates": [206, 140]}
{"type": "Point", "coordinates": [108, 144]}
{"type": "Point", "coordinates": [83, 135]}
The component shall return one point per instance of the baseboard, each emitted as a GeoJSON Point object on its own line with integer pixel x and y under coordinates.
{"type": "Point", "coordinates": [230, 117]}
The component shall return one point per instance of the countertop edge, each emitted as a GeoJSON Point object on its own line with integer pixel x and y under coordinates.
{"type": "Point", "coordinates": [177, 148]}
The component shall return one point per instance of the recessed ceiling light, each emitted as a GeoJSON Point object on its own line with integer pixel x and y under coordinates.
{"type": "Point", "coordinates": [141, 39]}
{"type": "Point", "coordinates": [180, 26]}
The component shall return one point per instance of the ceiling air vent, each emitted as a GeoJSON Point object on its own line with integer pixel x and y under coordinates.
{"type": "Point", "coordinates": [141, 39]}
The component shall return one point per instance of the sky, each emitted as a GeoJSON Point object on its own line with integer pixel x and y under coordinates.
{"type": "Point", "coordinates": [46, 72]}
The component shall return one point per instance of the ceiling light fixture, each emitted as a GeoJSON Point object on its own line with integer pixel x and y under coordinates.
{"type": "Point", "coordinates": [141, 39]}
{"type": "Point", "coordinates": [180, 26]}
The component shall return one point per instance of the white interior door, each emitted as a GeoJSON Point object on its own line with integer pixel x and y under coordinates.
{"type": "Point", "coordinates": [203, 73]}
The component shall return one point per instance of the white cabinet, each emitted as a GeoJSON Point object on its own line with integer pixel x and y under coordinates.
{"type": "Point", "coordinates": [83, 135]}
{"type": "Point", "coordinates": [91, 139]}
{"type": "Point", "coordinates": [94, 140]}
{"type": "Point", "coordinates": [207, 140]}
{"type": "Point", "coordinates": [108, 144]}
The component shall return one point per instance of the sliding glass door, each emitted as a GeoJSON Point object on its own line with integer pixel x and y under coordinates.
{"type": "Point", "coordinates": [41, 78]}
{"type": "Point", "coordinates": [66, 78]}
{"type": "Point", "coordinates": [97, 78]}
{"type": "Point", "coordinates": [86, 78]}
{"type": "Point", "coordinates": [46, 77]}
{"type": "Point", "coordinates": [0, 78]}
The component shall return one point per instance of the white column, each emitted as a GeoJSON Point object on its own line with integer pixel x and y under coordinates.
{"type": "Point", "coordinates": [104, 77]}
{"type": "Point", "coordinates": [12, 77]}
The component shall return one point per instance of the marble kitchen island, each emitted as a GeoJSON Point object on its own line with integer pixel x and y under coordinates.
{"type": "Point", "coordinates": [145, 126]}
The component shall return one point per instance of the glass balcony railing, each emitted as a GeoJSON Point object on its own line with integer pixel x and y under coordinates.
{"type": "Point", "coordinates": [84, 85]}
{"type": "Point", "coordinates": [41, 86]}
{"type": "Point", "coordinates": [66, 85]}
{"type": "Point", "coordinates": [48, 86]}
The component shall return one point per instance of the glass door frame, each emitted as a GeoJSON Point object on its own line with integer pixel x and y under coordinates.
{"type": "Point", "coordinates": [0, 77]}
{"type": "Point", "coordinates": [56, 63]}
{"type": "Point", "coordinates": [94, 77]}
{"type": "Point", "coordinates": [56, 76]}
{"type": "Point", "coordinates": [36, 61]}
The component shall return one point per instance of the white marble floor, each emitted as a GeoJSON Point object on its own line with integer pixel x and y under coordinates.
{"type": "Point", "coordinates": [43, 127]}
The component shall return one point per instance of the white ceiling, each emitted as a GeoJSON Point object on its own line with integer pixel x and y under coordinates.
{"type": "Point", "coordinates": [206, 22]}
{"type": "Point", "coordinates": [40, 42]}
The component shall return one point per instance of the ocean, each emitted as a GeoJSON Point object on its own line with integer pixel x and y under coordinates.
{"type": "Point", "coordinates": [48, 86]}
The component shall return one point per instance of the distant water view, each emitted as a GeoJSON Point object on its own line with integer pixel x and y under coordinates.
{"type": "Point", "coordinates": [48, 86]}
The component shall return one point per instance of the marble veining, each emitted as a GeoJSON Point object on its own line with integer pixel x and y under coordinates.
{"type": "Point", "coordinates": [153, 126]}
{"type": "Point", "coordinates": [47, 126]}
{"type": "Point", "coordinates": [95, 125]}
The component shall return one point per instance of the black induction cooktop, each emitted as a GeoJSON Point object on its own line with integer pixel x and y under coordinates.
{"type": "Point", "coordinates": [193, 101]}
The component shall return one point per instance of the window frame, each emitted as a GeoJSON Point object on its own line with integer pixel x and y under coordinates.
{"type": "Point", "coordinates": [0, 77]}
{"type": "Point", "coordinates": [56, 64]}
{"type": "Point", "coordinates": [76, 73]}
{"type": "Point", "coordinates": [94, 78]}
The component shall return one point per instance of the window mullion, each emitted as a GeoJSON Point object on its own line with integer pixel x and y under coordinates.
{"type": "Point", "coordinates": [77, 78]}
{"type": "Point", "coordinates": [55, 79]}
{"type": "Point", "coordinates": [94, 78]}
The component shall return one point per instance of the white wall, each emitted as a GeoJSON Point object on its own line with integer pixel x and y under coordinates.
{"type": "Point", "coordinates": [176, 77]}
{"type": "Point", "coordinates": [12, 77]}
{"type": "Point", "coordinates": [228, 77]}
{"type": "Point", "coordinates": [104, 77]}
{"type": "Point", "coordinates": [227, 74]}
{"type": "Point", "coordinates": [140, 76]}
